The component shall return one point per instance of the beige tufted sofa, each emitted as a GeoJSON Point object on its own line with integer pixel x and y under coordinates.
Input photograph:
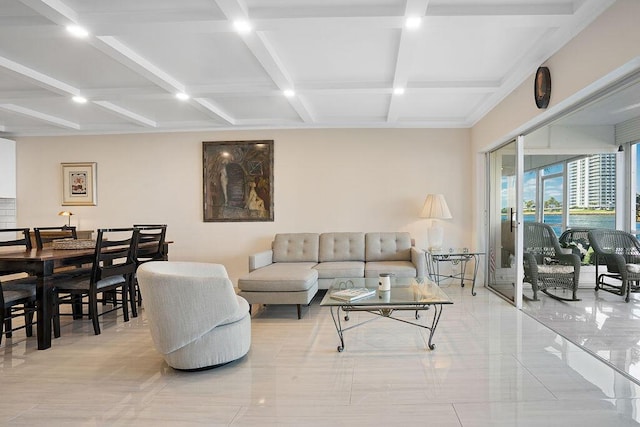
{"type": "Point", "coordinates": [195, 317]}
{"type": "Point", "coordinates": [298, 264]}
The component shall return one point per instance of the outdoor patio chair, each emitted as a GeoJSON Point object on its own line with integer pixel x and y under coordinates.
{"type": "Point", "coordinates": [621, 254]}
{"type": "Point", "coordinates": [546, 266]}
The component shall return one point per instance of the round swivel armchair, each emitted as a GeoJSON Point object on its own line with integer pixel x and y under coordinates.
{"type": "Point", "coordinates": [195, 317]}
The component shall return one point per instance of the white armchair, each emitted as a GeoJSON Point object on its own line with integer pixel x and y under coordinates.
{"type": "Point", "coordinates": [196, 319]}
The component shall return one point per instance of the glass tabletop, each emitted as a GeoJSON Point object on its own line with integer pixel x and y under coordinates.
{"type": "Point", "coordinates": [453, 251]}
{"type": "Point", "coordinates": [404, 291]}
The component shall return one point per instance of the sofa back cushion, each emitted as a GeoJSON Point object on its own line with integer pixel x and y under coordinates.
{"type": "Point", "coordinates": [394, 246]}
{"type": "Point", "coordinates": [295, 247]}
{"type": "Point", "coordinates": [341, 247]}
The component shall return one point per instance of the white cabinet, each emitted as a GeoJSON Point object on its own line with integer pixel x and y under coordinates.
{"type": "Point", "coordinates": [7, 169]}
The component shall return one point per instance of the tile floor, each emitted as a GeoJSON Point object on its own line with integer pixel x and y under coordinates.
{"type": "Point", "coordinates": [493, 366]}
{"type": "Point", "coordinates": [601, 323]}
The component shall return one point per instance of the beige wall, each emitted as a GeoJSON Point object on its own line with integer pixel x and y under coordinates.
{"type": "Point", "coordinates": [325, 180]}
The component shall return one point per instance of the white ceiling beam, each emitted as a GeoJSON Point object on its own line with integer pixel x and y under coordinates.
{"type": "Point", "coordinates": [38, 78]}
{"type": "Point", "coordinates": [260, 47]}
{"type": "Point", "coordinates": [406, 51]}
{"type": "Point", "coordinates": [126, 114]}
{"type": "Point", "coordinates": [17, 95]}
{"type": "Point", "coordinates": [57, 121]}
{"type": "Point", "coordinates": [54, 10]}
{"type": "Point", "coordinates": [208, 106]}
{"type": "Point", "coordinates": [496, 9]}
{"type": "Point", "coordinates": [131, 59]}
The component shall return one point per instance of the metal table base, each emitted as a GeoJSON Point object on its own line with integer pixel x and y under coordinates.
{"type": "Point", "coordinates": [435, 258]}
{"type": "Point", "coordinates": [385, 311]}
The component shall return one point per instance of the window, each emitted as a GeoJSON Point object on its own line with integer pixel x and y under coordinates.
{"type": "Point", "coordinates": [552, 179]}
{"type": "Point", "coordinates": [592, 192]}
{"type": "Point", "coordinates": [588, 184]}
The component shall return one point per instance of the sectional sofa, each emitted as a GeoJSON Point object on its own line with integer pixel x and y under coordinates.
{"type": "Point", "coordinates": [298, 264]}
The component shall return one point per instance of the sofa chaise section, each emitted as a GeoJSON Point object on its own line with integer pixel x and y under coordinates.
{"type": "Point", "coordinates": [284, 274]}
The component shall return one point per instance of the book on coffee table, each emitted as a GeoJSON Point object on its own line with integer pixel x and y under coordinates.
{"type": "Point", "coordinates": [352, 294]}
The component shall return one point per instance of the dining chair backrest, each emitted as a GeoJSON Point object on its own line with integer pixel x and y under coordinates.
{"type": "Point", "coordinates": [53, 233]}
{"type": "Point", "coordinates": [151, 240]}
{"type": "Point", "coordinates": [114, 253]}
{"type": "Point", "coordinates": [15, 239]}
{"type": "Point", "coordinates": [10, 237]}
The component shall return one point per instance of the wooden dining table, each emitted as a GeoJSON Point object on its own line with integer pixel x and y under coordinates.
{"type": "Point", "coordinates": [41, 264]}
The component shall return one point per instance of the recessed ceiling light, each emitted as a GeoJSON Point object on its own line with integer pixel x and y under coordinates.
{"type": "Point", "coordinates": [79, 99]}
{"type": "Point", "coordinates": [398, 91]}
{"type": "Point", "coordinates": [289, 93]}
{"type": "Point", "coordinates": [242, 26]}
{"type": "Point", "coordinates": [77, 31]}
{"type": "Point", "coordinates": [182, 96]}
{"type": "Point", "coordinates": [413, 22]}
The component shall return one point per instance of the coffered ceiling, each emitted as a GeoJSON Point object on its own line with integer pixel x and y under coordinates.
{"type": "Point", "coordinates": [341, 59]}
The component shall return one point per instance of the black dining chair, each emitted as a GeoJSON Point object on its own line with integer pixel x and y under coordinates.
{"type": "Point", "coordinates": [112, 273]}
{"type": "Point", "coordinates": [151, 241]}
{"type": "Point", "coordinates": [46, 235]}
{"type": "Point", "coordinates": [17, 300]}
{"type": "Point", "coordinates": [17, 295]}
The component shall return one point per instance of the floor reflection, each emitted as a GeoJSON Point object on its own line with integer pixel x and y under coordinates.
{"type": "Point", "coordinates": [601, 323]}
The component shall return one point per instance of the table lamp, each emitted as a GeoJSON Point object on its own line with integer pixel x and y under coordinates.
{"type": "Point", "coordinates": [68, 214]}
{"type": "Point", "coordinates": [435, 208]}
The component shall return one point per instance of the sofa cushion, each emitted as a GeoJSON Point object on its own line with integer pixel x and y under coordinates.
{"type": "Point", "coordinates": [295, 247]}
{"type": "Point", "coordinates": [399, 268]}
{"type": "Point", "coordinates": [297, 276]}
{"type": "Point", "coordinates": [332, 270]}
{"type": "Point", "coordinates": [388, 246]}
{"type": "Point", "coordinates": [341, 247]}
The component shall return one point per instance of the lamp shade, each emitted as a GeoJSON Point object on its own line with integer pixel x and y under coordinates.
{"type": "Point", "coordinates": [435, 206]}
{"type": "Point", "coordinates": [68, 215]}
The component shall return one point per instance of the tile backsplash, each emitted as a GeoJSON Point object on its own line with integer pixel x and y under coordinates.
{"type": "Point", "coordinates": [7, 213]}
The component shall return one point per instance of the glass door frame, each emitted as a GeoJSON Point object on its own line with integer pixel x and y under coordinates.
{"type": "Point", "coordinates": [516, 217]}
{"type": "Point", "coordinates": [519, 220]}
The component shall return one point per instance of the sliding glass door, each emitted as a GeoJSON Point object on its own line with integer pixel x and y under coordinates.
{"type": "Point", "coordinates": [505, 200]}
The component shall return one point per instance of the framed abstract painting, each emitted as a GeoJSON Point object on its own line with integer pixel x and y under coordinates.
{"type": "Point", "coordinates": [237, 180]}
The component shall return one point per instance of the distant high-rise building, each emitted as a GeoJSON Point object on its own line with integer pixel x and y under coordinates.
{"type": "Point", "coordinates": [592, 182]}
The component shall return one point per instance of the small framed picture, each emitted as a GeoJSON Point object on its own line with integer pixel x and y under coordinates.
{"type": "Point", "coordinates": [79, 184]}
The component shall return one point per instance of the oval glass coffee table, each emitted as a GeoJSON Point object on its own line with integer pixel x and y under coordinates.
{"type": "Point", "coordinates": [406, 294]}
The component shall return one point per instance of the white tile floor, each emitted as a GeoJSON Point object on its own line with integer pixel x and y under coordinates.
{"type": "Point", "coordinates": [602, 323]}
{"type": "Point", "coordinates": [493, 366]}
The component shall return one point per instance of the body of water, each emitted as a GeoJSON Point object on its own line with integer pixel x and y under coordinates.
{"type": "Point", "coordinates": [577, 221]}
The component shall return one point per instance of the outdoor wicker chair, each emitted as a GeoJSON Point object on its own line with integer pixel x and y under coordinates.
{"type": "Point", "coordinates": [546, 267]}
{"type": "Point", "coordinates": [621, 254]}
